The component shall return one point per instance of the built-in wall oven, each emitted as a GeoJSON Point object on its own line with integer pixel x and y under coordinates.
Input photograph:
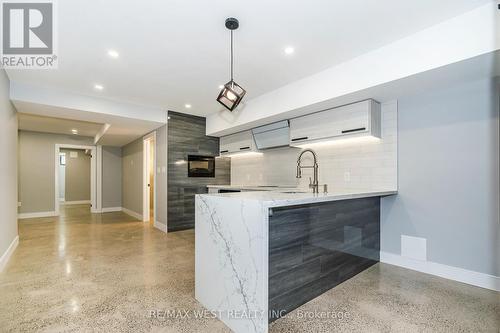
{"type": "Point", "coordinates": [201, 166]}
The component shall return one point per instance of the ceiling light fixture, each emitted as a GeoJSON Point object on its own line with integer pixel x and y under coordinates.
{"type": "Point", "coordinates": [99, 87]}
{"type": "Point", "coordinates": [113, 54]}
{"type": "Point", "coordinates": [231, 94]}
{"type": "Point", "coordinates": [187, 106]}
{"type": "Point", "coordinates": [289, 50]}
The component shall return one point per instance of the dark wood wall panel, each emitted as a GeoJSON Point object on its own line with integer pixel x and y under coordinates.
{"type": "Point", "coordinates": [186, 136]}
{"type": "Point", "coordinates": [313, 248]}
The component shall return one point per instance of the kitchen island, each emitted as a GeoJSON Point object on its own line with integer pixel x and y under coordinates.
{"type": "Point", "coordinates": [261, 254]}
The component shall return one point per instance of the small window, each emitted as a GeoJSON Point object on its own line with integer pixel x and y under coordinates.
{"type": "Point", "coordinates": [62, 159]}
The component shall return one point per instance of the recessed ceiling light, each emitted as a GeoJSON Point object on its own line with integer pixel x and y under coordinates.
{"type": "Point", "coordinates": [113, 54]}
{"type": "Point", "coordinates": [187, 106]}
{"type": "Point", "coordinates": [74, 131]}
{"type": "Point", "coordinates": [289, 50]}
{"type": "Point", "coordinates": [99, 87]}
{"type": "Point", "coordinates": [221, 86]}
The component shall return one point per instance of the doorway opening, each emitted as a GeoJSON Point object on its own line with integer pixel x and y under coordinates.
{"type": "Point", "coordinates": [75, 172]}
{"type": "Point", "coordinates": [149, 178]}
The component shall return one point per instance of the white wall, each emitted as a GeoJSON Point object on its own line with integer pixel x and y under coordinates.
{"type": "Point", "coordinates": [448, 177]}
{"type": "Point", "coordinates": [8, 172]}
{"type": "Point", "coordinates": [371, 165]}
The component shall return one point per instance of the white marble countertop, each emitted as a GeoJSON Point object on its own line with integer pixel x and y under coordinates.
{"type": "Point", "coordinates": [296, 196]}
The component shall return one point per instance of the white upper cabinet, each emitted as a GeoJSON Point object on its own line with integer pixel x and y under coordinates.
{"type": "Point", "coordinates": [238, 142]}
{"type": "Point", "coordinates": [358, 119]}
{"type": "Point", "coordinates": [272, 135]}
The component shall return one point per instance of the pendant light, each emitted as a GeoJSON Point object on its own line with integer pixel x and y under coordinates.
{"type": "Point", "coordinates": [232, 93]}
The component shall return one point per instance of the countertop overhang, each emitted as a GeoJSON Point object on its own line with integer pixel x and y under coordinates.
{"type": "Point", "coordinates": [279, 197]}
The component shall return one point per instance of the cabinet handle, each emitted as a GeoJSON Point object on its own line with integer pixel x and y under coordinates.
{"type": "Point", "coordinates": [301, 138]}
{"type": "Point", "coordinates": [244, 148]}
{"type": "Point", "coordinates": [223, 151]}
{"type": "Point", "coordinates": [354, 130]}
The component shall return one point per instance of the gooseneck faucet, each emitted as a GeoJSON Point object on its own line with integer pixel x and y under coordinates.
{"type": "Point", "coordinates": [314, 183]}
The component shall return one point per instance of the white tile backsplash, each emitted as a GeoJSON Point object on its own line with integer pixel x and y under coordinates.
{"type": "Point", "coordinates": [371, 165]}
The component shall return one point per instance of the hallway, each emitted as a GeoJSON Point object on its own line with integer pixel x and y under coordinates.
{"type": "Point", "coordinates": [86, 272]}
{"type": "Point", "coordinates": [97, 272]}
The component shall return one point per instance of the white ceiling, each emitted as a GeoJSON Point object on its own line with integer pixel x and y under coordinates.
{"type": "Point", "coordinates": [36, 123]}
{"type": "Point", "coordinates": [53, 119]}
{"type": "Point", "coordinates": [176, 52]}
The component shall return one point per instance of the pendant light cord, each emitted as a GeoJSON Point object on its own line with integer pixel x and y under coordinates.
{"type": "Point", "coordinates": [231, 55]}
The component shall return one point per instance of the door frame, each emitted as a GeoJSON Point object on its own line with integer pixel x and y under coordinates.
{"type": "Point", "coordinates": [146, 142]}
{"type": "Point", "coordinates": [93, 174]}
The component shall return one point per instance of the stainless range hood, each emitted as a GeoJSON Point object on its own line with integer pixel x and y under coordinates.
{"type": "Point", "coordinates": [273, 135]}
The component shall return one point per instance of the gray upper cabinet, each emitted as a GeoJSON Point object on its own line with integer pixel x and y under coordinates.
{"type": "Point", "coordinates": [238, 142]}
{"type": "Point", "coordinates": [357, 119]}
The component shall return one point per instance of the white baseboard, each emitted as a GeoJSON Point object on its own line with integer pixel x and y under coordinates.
{"type": "Point", "coordinates": [111, 209]}
{"type": "Point", "coordinates": [8, 253]}
{"type": "Point", "coordinates": [132, 213]}
{"type": "Point", "coordinates": [77, 202]}
{"type": "Point", "coordinates": [448, 272]}
{"type": "Point", "coordinates": [160, 226]}
{"type": "Point", "coordinates": [36, 214]}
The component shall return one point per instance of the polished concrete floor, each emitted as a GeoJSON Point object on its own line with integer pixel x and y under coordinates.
{"type": "Point", "coordinates": [86, 272]}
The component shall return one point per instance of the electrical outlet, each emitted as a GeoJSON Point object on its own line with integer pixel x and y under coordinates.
{"type": "Point", "coordinates": [347, 176]}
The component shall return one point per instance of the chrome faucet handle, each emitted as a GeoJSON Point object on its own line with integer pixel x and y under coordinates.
{"type": "Point", "coordinates": [325, 188]}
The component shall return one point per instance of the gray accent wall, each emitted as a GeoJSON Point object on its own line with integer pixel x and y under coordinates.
{"type": "Point", "coordinates": [36, 168]}
{"type": "Point", "coordinates": [77, 175]}
{"type": "Point", "coordinates": [8, 167]}
{"type": "Point", "coordinates": [111, 177]}
{"type": "Point", "coordinates": [186, 135]}
{"type": "Point", "coordinates": [132, 161]}
{"type": "Point", "coordinates": [448, 177]}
